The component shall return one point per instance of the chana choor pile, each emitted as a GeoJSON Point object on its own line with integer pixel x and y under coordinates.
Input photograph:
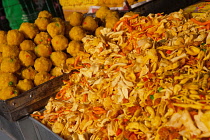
{"type": "Point", "coordinates": [145, 78]}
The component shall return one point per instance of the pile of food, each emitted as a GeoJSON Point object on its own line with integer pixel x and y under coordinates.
{"type": "Point", "coordinates": [40, 51]}
{"type": "Point", "coordinates": [109, 3]}
{"type": "Point", "coordinates": [145, 78]}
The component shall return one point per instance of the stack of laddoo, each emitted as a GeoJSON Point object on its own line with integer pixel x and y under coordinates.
{"type": "Point", "coordinates": [40, 51]}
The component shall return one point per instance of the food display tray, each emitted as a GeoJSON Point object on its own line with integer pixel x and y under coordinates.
{"type": "Point", "coordinates": [43, 132]}
{"type": "Point", "coordinates": [26, 128]}
{"type": "Point", "coordinates": [31, 100]}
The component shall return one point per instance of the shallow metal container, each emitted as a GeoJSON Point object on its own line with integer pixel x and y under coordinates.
{"type": "Point", "coordinates": [35, 99]}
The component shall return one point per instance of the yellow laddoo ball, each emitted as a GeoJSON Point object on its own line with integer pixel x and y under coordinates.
{"type": "Point", "coordinates": [14, 37]}
{"type": "Point", "coordinates": [10, 50]}
{"type": "Point", "coordinates": [75, 18]}
{"type": "Point", "coordinates": [27, 58]}
{"type": "Point", "coordinates": [29, 30]}
{"type": "Point", "coordinates": [25, 85]}
{"type": "Point", "coordinates": [55, 28]}
{"type": "Point", "coordinates": [27, 45]}
{"type": "Point", "coordinates": [7, 79]}
{"type": "Point", "coordinates": [43, 64]}
{"type": "Point", "coordinates": [3, 37]}
{"type": "Point", "coordinates": [102, 12]}
{"type": "Point", "coordinates": [28, 73]}
{"type": "Point", "coordinates": [59, 43]}
{"type": "Point", "coordinates": [90, 24]}
{"type": "Point", "coordinates": [111, 21]}
{"type": "Point", "coordinates": [56, 71]}
{"type": "Point", "coordinates": [58, 58]}
{"type": "Point", "coordinates": [45, 14]}
{"type": "Point", "coordinates": [74, 47]}
{"type": "Point", "coordinates": [42, 23]}
{"type": "Point", "coordinates": [77, 33]}
{"type": "Point", "coordinates": [43, 50]}
{"type": "Point", "coordinates": [8, 92]}
{"type": "Point", "coordinates": [41, 77]}
{"type": "Point", "coordinates": [42, 38]}
{"type": "Point", "coordinates": [113, 13]}
{"type": "Point", "coordinates": [9, 64]}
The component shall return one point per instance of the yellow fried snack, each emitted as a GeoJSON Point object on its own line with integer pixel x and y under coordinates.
{"type": "Point", "coordinates": [59, 42]}
{"type": "Point", "coordinates": [3, 37]}
{"type": "Point", "coordinates": [24, 85]}
{"type": "Point", "coordinates": [45, 14]}
{"type": "Point", "coordinates": [70, 63]}
{"type": "Point", "coordinates": [112, 13]}
{"type": "Point", "coordinates": [9, 64]}
{"type": "Point", "coordinates": [55, 28]}
{"type": "Point", "coordinates": [7, 79]}
{"type": "Point", "coordinates": [147, 78]}
{"type": "Point", "coordinates": [41, 77]}
{"type": "Point", "coordinates": [29, 30]}
{"type": "Point", "coordinates": [56, 71]}
{"type": "Point", "coordinates": [77, 33]}
{"type": "Point", "coordinates": [43, 64]}
{"type": "Point", "coordinates": [58, 58]}
{"type": "Point", "coordinates": [8, 92]}
{"type": "Point", "coordinates": [102, 12]}
{"type": "Point", "coordinates": [89, 24]}
{"type": "Point", "coordinates": [43, 50]}
{"type": "Point", "coordinates": [14, 37]}
{"type": "Point", "coordinates": [98, 31]}
{"type": "Point", "coordinates": [10, 51]}
{"type": "Point", "coordinates": [27, 58]}
{"type": "Point", "coordinates": [74, 47]}
{"type": "Point", "coordinates": [42, 23]}
{"type": "Point", "coordinates": [75, 18]}
{"type": "Point", "coordinates": [28, 73]}
{"type": "Point", "coordinates": [27, 45]}
{"type": "Point", "coordinates": [42, 38]}
{"type": "Point", "coordinates": [110, 21]}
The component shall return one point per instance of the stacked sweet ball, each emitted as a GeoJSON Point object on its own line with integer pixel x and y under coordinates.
{"type": "Point", "coordinates": [40, 51]}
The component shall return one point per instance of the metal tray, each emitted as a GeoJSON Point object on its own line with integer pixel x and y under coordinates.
{"type": "Point", "coordinates": [31, 100]}
{"type": "Point", "coordinates": [43, 132]}
{"type": "Point", "coordinates": [26, 128]}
